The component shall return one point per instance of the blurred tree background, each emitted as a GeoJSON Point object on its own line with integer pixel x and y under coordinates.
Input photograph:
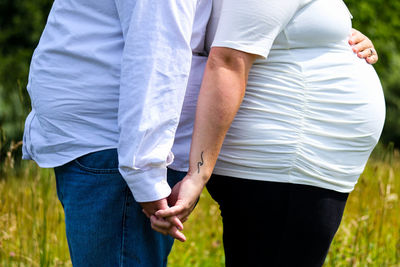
{"type": "Point", "coordinates": [21, 24]}
{"type": "Point", "coordinates": [22, 21]}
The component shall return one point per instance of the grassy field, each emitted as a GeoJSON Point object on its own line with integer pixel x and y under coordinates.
{"type": "Point", "coordinates": [32, 229]}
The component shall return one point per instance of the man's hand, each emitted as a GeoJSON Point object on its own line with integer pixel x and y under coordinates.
{"type": "Point", "coordinates": [363, 46]}
{"type": "Point", "coordinates": [170, 226]}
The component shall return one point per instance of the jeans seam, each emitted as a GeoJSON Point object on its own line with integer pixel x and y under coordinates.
{"type": "Point", "coordinates": [58, 188]}
{"type": "Point", "coordinates": [123, 230]}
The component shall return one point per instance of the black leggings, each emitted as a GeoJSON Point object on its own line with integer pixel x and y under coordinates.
{"type": "Point", "coordinates": [276, 224]}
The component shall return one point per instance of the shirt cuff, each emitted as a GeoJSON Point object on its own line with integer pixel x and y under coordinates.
{"type": "Point", "coordinates": [150, 185]}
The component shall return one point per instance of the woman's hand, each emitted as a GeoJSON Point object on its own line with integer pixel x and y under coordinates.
{"type": "Point", "coordinates": [183, 197]}
{"type": "Point", "coordinates": [174, 224]}
{"type": "Point", "coordinates": [363, 46]}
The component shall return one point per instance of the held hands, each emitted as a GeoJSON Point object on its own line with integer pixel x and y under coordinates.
{"type": "Point", "coordinates": [363, 46]}
{"type": "Point", "coordinates": [169, 226]}
{"type": "Point", "coordinates": [183, 197]}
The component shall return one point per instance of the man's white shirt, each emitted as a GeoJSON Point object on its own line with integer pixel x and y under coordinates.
{"type": "Point", "coordinates": [112, 74]}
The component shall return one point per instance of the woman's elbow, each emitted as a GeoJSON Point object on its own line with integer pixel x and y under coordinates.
{"type": "Point", "coordinates": [230, 58]}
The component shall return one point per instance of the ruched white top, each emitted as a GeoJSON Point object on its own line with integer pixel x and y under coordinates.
{"type": "Point", "coordinates": [313, 111]}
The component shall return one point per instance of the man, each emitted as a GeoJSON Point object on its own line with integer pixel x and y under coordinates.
{"type": "Point", "coordinates": [112, 74]}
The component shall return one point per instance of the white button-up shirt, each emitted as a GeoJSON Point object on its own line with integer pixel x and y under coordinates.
{"type": "Point", "coordinates": [110, 74]}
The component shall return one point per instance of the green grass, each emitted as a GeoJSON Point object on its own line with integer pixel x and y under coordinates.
{"type": "Point", "coordinates": [32, 228]}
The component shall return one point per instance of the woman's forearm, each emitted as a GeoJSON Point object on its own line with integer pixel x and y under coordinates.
{"type": "Point", "coordinates": [221, 94]}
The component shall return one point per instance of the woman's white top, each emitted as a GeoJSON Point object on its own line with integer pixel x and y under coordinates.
{"type": "Point", "coordinates": [313, 111]}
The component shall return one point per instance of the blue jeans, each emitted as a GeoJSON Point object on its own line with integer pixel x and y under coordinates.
{"type": "Point", "coordinates": [105, 226]}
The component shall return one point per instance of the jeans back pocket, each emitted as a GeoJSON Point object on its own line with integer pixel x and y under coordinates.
{"type": "Point", "coordinates": [105, 161]}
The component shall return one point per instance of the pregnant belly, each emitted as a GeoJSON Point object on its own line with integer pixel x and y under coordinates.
{"type": "Point", "coordinates": [347, 101]}
{"type": "Point", "coordinates": [329, 120]}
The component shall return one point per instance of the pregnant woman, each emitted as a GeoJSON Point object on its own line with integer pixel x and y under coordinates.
{"type": "Point", "coordinates": [299, 134]}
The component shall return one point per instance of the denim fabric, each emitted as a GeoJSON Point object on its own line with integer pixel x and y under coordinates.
{"type": "Point", "coordinates": [175, 176]}
{"type": "Point", "coordinates": [105, 226]}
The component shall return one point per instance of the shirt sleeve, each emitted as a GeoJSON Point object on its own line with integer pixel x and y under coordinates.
{"type": "Point", "coordinates": [252, 25]}
{"type": "Point", "coordinates": [154, 72]}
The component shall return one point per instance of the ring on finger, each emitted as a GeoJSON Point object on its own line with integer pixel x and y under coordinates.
{"type": "Point", "coordinates": [371, 52]}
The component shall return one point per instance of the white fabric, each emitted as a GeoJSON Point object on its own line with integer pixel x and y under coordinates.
{"type": "Point", "coordinates": [183, 134]}
{"type": "Point", "coordinates": [110, 74]}
{"type": "Point", "coordinates": [313, 111]}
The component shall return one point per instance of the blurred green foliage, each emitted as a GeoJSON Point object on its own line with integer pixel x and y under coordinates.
{"type": "Point", "coordinates": [21, 24]}
{"type": "Point", "coordinates": [22, 21]}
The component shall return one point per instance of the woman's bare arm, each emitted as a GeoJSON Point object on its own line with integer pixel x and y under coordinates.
{"type": "Point", "coordinates": [221, 94]}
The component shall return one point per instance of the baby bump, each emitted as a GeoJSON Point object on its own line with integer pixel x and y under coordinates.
{"type": "Point", "coordinates": [349, 104]}
{"type": "Point", "coordinates": [332, 121]}
{"type": "Point", "coordinates": [343, 119]}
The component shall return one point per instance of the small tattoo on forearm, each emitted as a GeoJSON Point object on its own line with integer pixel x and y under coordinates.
{"type": "Point", "coordinates": [200, 163]}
